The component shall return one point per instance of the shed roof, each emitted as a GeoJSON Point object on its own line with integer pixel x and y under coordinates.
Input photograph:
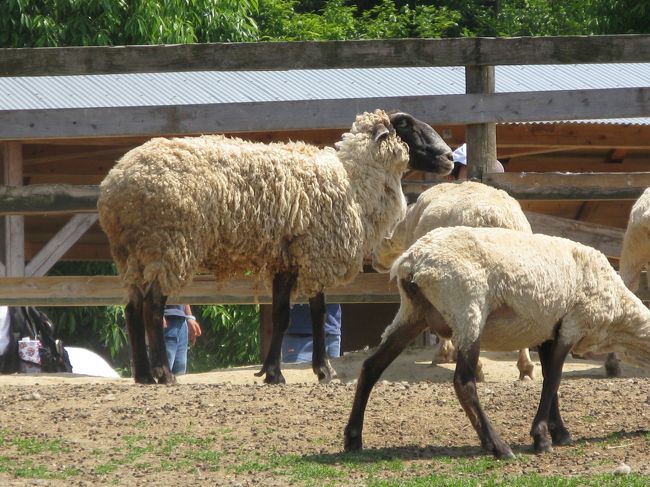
{"type": "Point", "coordinates": [207, 87]}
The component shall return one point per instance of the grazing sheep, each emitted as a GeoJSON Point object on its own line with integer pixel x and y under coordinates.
{"type": "Point", "coordinates": [635, 255]}
{"type": "Point", "coordinates": [499, 289]}
{"type": "Point", "coordinates": [301, 216]}
{"type": "Point", "coordinates": [468, 204]}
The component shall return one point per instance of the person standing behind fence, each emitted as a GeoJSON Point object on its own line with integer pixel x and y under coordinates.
{"type": "Point", "coordinates": [181, 329]}
{"type": "Point", "coordinates": [460, 164]}
{"type": "Point", "coordinates": [298, 344]}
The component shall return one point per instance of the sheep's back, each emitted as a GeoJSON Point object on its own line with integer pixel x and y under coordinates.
{"type": "Point", "coordinates": [466, 273]}
{"type": "Point", "coordinates": [174, 206]}
{"type": "Point", "coordinates": [468, 204]}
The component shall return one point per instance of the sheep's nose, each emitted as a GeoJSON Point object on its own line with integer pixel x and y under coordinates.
{"type": "Point", "coordinates": [450, 156]}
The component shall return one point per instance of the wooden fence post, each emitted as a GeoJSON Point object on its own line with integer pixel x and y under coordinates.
{"type": "Point", "coordinates": [481, 138]}
{"type": "Point", "coordinates": [14, 226]}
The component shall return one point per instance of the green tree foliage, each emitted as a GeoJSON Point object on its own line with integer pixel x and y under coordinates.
{"type": "Point", "coordinates": [50, 23]}
{"type": "Point", "coordinates": [230, 337]}
{"type": "Point", "coordinates": [337, 19]}
{"type": "Point", "coordinates": [622, 16]}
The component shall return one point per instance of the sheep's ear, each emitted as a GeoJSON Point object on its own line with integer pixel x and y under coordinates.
{"type": "Point", "coordinates": [380, 132]}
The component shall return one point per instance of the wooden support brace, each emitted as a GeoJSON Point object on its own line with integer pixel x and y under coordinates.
{"type": "Point", "coordinates": [481, 138]}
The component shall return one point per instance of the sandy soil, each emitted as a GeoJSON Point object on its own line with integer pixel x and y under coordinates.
{"type": "Point", "coordinates": [119, 433]}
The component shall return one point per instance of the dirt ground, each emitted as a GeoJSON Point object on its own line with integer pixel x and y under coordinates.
{"type": "Point", "coordinates": [227, 428]}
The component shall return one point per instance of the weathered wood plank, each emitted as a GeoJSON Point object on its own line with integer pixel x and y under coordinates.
{"type": "Point", "coordinates": [47, 199]}
{"type": "Point", "coordinates": [571, 186]}
{"type": "Point", "coordinates": [321, 114]}
{"type": "Point", "coordinates": [608, 240]}
{"type": "Point", "coordinates": [59, 244]}
{"type": "Point", "coordinates": [108, 290]}
{"type": "Point", "coordinates": [574, 136]}
{"type": "Point", "coordinates": [481, 138]}
{"type": "Point", "coordinates": [324, 55]}
{"type": "Point", "coordinates": [64, 198]}
{"type": "Point", "coordinates": [14, 226]}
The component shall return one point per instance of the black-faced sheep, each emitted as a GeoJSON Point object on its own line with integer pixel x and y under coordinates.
{"type": "Point", "coordinates": [468, 204]}
{"type": "Point", "coordinates": [499, 289]}
{"type": "Point", "coordinates": [304, 217]}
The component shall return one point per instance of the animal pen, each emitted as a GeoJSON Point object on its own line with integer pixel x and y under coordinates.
{"type": "Point", "coordinates": [55, 156]}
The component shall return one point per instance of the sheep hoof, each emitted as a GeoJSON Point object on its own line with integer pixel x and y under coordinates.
{"type": "Point", "coordinates": [352, 440]}
{"type": "Point", "coordinates": [144, 379]}
{"type": "Point", "coordinates": [542, 444]}
{"type": "Point", "coordinates": [541, 439]}
{"type": "Point", "coordinates": [504, 453]}
{"type": "Point", "coordinates": [613, 368]}
{"type": "Point", "coordinates": [561, 437]}
{"type": "Point", "coordinates": [527, 373]}
{"type": "Point", "coordinates": [325, 373]}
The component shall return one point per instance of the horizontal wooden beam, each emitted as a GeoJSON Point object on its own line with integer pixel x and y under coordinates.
{"type": "Point", "coordinates": [570, 186]}
{"type": "Point", "coordinates": [324, 55]}
{"type": "Point", "coordinates": [608, 240]}
{"type": "Point", "coordinates": [48, 199]}
{"type": "Point", "coordinates": [63, 198]}
{"type": "Point", "coordinates": [321, 114]}
{"type": "Point", "coordinates": [108, 290]}
{"type": "Point", "coordinates": [574, 135]}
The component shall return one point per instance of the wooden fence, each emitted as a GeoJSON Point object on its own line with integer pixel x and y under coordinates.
{"type": "Point", "coordinates": [480, 109]}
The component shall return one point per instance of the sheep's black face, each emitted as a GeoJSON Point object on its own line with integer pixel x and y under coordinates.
{"type": "Point", "coordinates": [427, 151]}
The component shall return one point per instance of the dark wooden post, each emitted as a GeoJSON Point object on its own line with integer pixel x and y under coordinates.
{"type": "Point", "coordinates": [481, 138]}
{"type": "Point", "coordinates": [14, 226]}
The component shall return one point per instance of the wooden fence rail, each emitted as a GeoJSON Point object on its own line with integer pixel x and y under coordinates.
{"type": "Point", "coordinates": [44, 199]}
{"type": "Point", "coordinates": [322, 114]}
{"type": "Point", "coordinates": [324, 55]}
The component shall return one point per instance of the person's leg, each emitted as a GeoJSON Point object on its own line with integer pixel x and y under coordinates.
{"type": "Point", "coordinates": [172, 331]}
{"type": "Point", "coordinates": [182, 346]}
{"type": "Point", "coordinates": [296, 348]}
{"type": "Point", "coordinates": [333, 345]}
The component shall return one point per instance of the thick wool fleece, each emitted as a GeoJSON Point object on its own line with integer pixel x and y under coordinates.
{"type": "Point", "coordinates": [636, 242]}
{"type": "Point", "coordinates": [468, 204]}
{"type": "Point", "coordinates": [512, 289]}
{"type": "Point", "coordinates": [172, 207]}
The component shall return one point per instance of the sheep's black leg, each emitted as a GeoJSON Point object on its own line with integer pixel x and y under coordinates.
{"type": "Point", "coordinates": [135, 328]}
{"type": "Point", "coordinates": [552, 354]}
{"type": "Point", "coordinates": [371, 370]}
{"type": "Point", "coordinates": [612, 365]}
{"type": "Point", "coordinates": [465, 387]}
{"type": "Point", "coordinates": [283, 283]}
{"type": "Point", "coordinates": [320, 364]}
{"type": "Point", "coordinates": [154, 306]}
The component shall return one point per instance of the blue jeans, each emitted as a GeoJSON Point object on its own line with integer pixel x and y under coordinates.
{"type": "Point", "coordinates": [176, 342]}
{"type": "Point", "coordinates": [296, 348]}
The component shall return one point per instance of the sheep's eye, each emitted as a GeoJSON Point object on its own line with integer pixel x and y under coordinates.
{"type": "Point", "coordinates": [402, 123]}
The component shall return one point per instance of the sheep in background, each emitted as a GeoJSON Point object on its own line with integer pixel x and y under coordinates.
{"type": "Point", "coordinates": [500, 289]}
{"type": "Point", "coordinates": [301, 216]}
{"type": "Point", "coordinates": [635, 255]}
{"type": "Point", "coordinates": [469, 204]}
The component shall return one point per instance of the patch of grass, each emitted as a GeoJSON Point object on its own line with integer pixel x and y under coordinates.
{"type": "Point", "coordinates": [309, 471]}
{"type": "Point", "coordinates": [32, 446]}
{"type": "Point", "coordinates": [589, 418]}
{"type": "Point", "coordinates": [444, 480]}
{"type": "Point", "coordinates": [106, 468]}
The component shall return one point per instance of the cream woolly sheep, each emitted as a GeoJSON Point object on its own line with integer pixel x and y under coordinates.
{"type": "Point", "coordinates": [301, 216]}
{"type": "Point", "coordinates": [635, 255]}
{"type": "Point", "coordinates": [500, 289]}
{"type": "Point", "coordinates": [469, 204]}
